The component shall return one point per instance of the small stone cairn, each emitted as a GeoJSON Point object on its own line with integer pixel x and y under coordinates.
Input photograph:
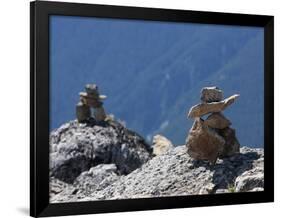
{"type": "Point", "coordinates": [90, 99]}
{"type": "Point", "coordinates": [211, 138]}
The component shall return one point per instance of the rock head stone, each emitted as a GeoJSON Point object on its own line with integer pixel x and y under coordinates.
{"type": "Point", "coordinates": [211, 94]}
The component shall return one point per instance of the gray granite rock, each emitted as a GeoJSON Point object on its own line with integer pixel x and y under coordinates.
{"type": "Point", "coordinates": [76, 147]}
{"type": "Point", "coordinates": [174, 173]}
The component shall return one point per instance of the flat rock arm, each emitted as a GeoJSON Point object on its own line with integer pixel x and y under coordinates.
{"type": "Point", "coordinates": [202, 109]}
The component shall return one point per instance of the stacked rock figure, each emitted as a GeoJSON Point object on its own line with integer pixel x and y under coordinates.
{"type": "Point", "coordinates": [213, 137]}
{"type": "Point", "coordinates": [90, 99]}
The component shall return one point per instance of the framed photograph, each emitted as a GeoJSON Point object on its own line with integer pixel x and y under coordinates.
{"type": "Point", "coordinates": [144, 108]}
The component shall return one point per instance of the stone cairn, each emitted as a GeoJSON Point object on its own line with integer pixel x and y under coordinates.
{"type": "Point", "coordinates": [211, 138]}
{"type": "Point", "coordinates": [90, 99]}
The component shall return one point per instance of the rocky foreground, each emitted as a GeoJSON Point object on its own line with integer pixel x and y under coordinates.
{"type": "Point", "coordinates": [101, 162]}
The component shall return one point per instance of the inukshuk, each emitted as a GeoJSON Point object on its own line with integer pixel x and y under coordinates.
{"type": "Point", "coordinates": [213, 137]}
{"type": "Point", "coordinates": [90, 99]}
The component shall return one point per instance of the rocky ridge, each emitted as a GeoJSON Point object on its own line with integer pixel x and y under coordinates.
{"type": "Point", "coordinates": [97, 162]}
{"type": "Point", "coordinates": [213, 137]}
{"type": "Point", "coordinates": [76, 147]}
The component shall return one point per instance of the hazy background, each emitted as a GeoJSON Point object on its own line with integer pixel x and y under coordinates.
{"type": "Point", "coordinates": [152, 72]}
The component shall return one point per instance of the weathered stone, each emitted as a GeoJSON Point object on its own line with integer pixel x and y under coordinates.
{"type": "Point", "coordinates": [174, 173]}
{"type": "Point", "coordinates": [161, 145]}
{"type": "Point", "coordinates": [204, 143]}
{"type": "Point", "coordinates": [90, 100]}
{"type": "Point", "coordinates": [202, 109]}
{"type": "Point", "coordinates": [211, 94]}
{"type": "Point", "coordinates": [83, 112]}
{"type": "Point", "coordinates": [249, 180]}
{"type": "Point", "coordinates": [92, 91]}
{"type": "Point", "coordinates": [91, 88]}
{"type": "Point", "coordinates": [231, 145]}
{"type": "Point", "coordinates": [207, 189]}
{"type": "Point", "coordinates": [99, 114]}
{"type": "Point", "coordinates": [96, 179]}
{"type": "Point", "coordinates": [75, 148]}
{"type": "Point", "coordinates": [257, 189]}
{"type": "Point", "coordinates": [217, 121]}
{"type": "Point", "coordinates": [221, 191]}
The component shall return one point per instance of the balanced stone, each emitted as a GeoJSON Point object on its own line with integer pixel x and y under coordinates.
{"type": "Point", "coordinates": [231, 145]}
{"type": "Point", "coordinates": [217, 121]}
{"type": "Point", "coordinates": [83, 112]}
{"type": "Point", "coordinates": [211, 94]}
{"type": "Point", "coordinates": [202, 109]}
{"type": "Point", "coordinates": [90, 100]}
{"type": "Point", "coordinates": [211, 138]}
{"type": "Point", "coordinates": [204, 143]}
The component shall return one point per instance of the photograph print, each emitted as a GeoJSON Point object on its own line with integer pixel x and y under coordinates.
{"type": "Point", "coordinates": [144, 109]}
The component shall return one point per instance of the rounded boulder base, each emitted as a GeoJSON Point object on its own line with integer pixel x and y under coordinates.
{"type": "Point", "coordinates": [203, 143]}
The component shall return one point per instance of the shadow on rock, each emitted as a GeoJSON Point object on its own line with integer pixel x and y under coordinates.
{"type": "Point", "coordinates": [226, 170]}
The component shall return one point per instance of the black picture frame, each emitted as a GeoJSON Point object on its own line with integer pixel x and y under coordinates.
{"type": "Point", "coordinates": [39, 107]}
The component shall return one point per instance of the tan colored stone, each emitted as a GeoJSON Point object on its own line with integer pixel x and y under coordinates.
{"type": "Point", "coordinates": [231, 145]}
{"type": "Point", "coordinates": [161, 144]}
{"type": "Point", "coordinates": [204, 143]}
{"type": "Point", "coordinates": [217, 121]}
{"type": "Point", "coordinates": [202, 109]}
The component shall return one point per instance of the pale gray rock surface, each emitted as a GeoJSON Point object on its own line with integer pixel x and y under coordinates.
{"type": "Point", "coordinates": [171, 174]}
